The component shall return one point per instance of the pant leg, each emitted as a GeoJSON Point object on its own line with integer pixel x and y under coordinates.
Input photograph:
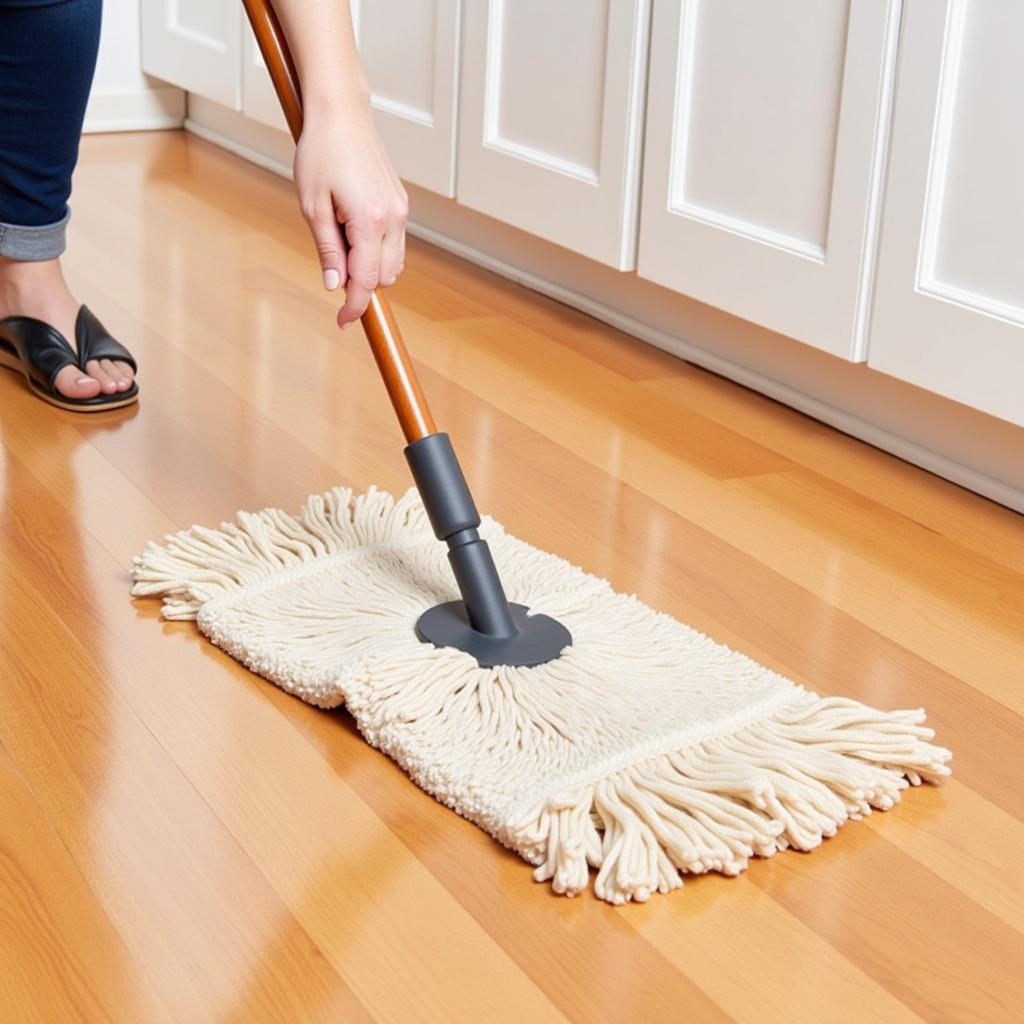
{"type": "Point", "coordinates": [47, 59]}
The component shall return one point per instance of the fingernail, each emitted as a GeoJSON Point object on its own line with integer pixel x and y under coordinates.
{"type": "Point", "coordinates": [331, 279]}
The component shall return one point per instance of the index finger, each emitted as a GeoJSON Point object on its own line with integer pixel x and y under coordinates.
{"type": "Point", "coordinates": [363, 272]}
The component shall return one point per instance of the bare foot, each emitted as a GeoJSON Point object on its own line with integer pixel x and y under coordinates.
{"type": "Point", "coordinates": [38, 289]}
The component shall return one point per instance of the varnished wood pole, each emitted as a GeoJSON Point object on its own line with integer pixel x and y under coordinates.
{"type": "Point", "coordinates": [378, 321]}
{"type": "Point", "coordinates": [396, 368]}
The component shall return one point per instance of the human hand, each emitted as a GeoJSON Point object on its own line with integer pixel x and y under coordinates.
{"type": "Point", "coordinates": [354, 204]}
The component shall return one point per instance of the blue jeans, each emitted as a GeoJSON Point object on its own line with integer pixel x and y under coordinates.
{"type": "Point", "coordinates": [47, 58]}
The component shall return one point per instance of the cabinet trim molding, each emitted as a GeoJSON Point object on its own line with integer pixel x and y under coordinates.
{"type": "Point", "coordinates": [876, 183]}
{"type": "Point", "coordinates": [927, 279]}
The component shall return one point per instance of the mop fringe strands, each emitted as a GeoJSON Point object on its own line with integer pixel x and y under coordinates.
{"type": "Point", "coordinates": [644, 752]}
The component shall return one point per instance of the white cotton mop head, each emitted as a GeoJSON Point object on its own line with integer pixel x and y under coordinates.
{"type": "Point", "coordinates": [645, 751]}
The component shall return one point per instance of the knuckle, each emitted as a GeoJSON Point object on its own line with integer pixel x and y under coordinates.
{"type": "Point", "coordinates": [310, 209]}
{"type": "Point", "coordinates": [376, 214]}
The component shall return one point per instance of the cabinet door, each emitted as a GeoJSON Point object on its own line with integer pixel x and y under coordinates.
{"type": "Point", "coordinates": [550, 119]}
{"type": "Point", "coordinates": [195, 44]}
{"type": "Point", "coordinates": [949, 308]}
{"type": "Point", "coordinates": [767, 127]}
{"type": "Point", "coordinates": [410, 51]}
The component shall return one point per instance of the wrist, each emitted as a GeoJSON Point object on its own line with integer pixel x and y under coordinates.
{"type": "Point", "coordinates": [333, 101]}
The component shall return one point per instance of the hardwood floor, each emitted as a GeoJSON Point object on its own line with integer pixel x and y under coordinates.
{"type": "Point", "coordinates": [180, 840]}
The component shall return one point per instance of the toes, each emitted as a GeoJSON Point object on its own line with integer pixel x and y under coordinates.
{"type": "Point", "coordinates": [108, 385]}
{"type": "Point", "coordinates": [122, 373]}
{"type": "Point", "coordinates": [72, 383]}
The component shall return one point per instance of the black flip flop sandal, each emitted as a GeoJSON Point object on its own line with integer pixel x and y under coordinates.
{"type": "Point", "coordinates": [40, 352]}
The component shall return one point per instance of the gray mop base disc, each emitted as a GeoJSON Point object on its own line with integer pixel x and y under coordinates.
{"type": "Point", "coordinates": [645, 752]}
{"type": "Point", "coordinates": [539, 639]}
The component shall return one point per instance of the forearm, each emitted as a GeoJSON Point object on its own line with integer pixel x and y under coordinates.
{"type": "Point", "coordinates": [322, 41]}
{"type": "Point", "coordinates": [349, 193]}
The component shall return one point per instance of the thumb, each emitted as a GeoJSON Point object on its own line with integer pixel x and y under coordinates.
{"type": "Point", "coordinates": [330, 249]}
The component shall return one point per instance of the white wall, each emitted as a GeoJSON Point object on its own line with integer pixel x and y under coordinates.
{"type": "Point", "coordinates": [123, 98]}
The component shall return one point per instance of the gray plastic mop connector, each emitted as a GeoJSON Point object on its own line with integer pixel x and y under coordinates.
{"type": "Point", "coordinates": [483, 623]}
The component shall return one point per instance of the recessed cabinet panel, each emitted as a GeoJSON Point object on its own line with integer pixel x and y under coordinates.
{"type": "Point", "coordinates": [975, 225]}
{"type": "Point", "coordinates": [734, 170]}
{"type": "Point", "coordinates": [544, 91]}
{"type": "Point", "coordinates": [767, 126]}
{"type": "Point", "coordinates": [949, 309]}
{"type": "Point", "coordinates": [195, 44]}
{"type": "Point", "coordinates": [398, 48]}
{"type": "Point", "coordinates": [551, 116]}
{"type": "Point", "coordinates": [200, 18]}
{"type": "Point", "coordinates": [410, 50]}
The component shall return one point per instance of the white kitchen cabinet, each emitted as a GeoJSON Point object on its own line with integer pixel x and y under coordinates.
{"type": "Point", "coordinates": [766, 133]}
{"type": "Point", "coordinates": [550, 121]}
{"type": "Point", "coordinates": [195, 44]}
{"type": "Point", "coordinates": [949, 304]}
{"type": "Point", "coordinates": [410, 52]}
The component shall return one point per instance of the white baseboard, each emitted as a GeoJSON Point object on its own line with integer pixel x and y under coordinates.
{"type": "Point", "coordinates": [239, 148]}
{"type": "Point", "coordinates": [139, 110]}
{"type": "Point", "coordinates": [950, 440]}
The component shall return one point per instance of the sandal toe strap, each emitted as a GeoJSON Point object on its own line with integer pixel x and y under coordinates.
{"type": "Point", "coordinates": [96, 342]}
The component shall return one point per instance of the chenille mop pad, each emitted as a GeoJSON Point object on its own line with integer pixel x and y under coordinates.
{"type": "Point", "coordinates": [646, 751]}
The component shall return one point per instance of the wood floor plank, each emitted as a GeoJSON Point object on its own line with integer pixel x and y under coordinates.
{"type": "Point", "coordinates": [60, 957]}
{"type": "Point", "coordinates": [972, 521]}
{"type": "Point", "coordinates": [761, 980]}
{"type": "Point", "coordinates": [158, 861]}
{"type": "Point", "coordinates": [872, 903]}
{"type": "Point", "coordinates": [967, 842]}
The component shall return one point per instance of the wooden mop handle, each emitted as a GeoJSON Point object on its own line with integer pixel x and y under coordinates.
{"type": "Point", "coordinates": [378, 321]}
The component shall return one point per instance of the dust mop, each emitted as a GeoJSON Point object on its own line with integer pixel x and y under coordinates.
{"type": "Point", "coordinates": [576, 725]}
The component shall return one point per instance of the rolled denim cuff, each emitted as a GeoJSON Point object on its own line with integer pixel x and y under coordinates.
{"type": "Point", "coordinates": [24, 242]}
